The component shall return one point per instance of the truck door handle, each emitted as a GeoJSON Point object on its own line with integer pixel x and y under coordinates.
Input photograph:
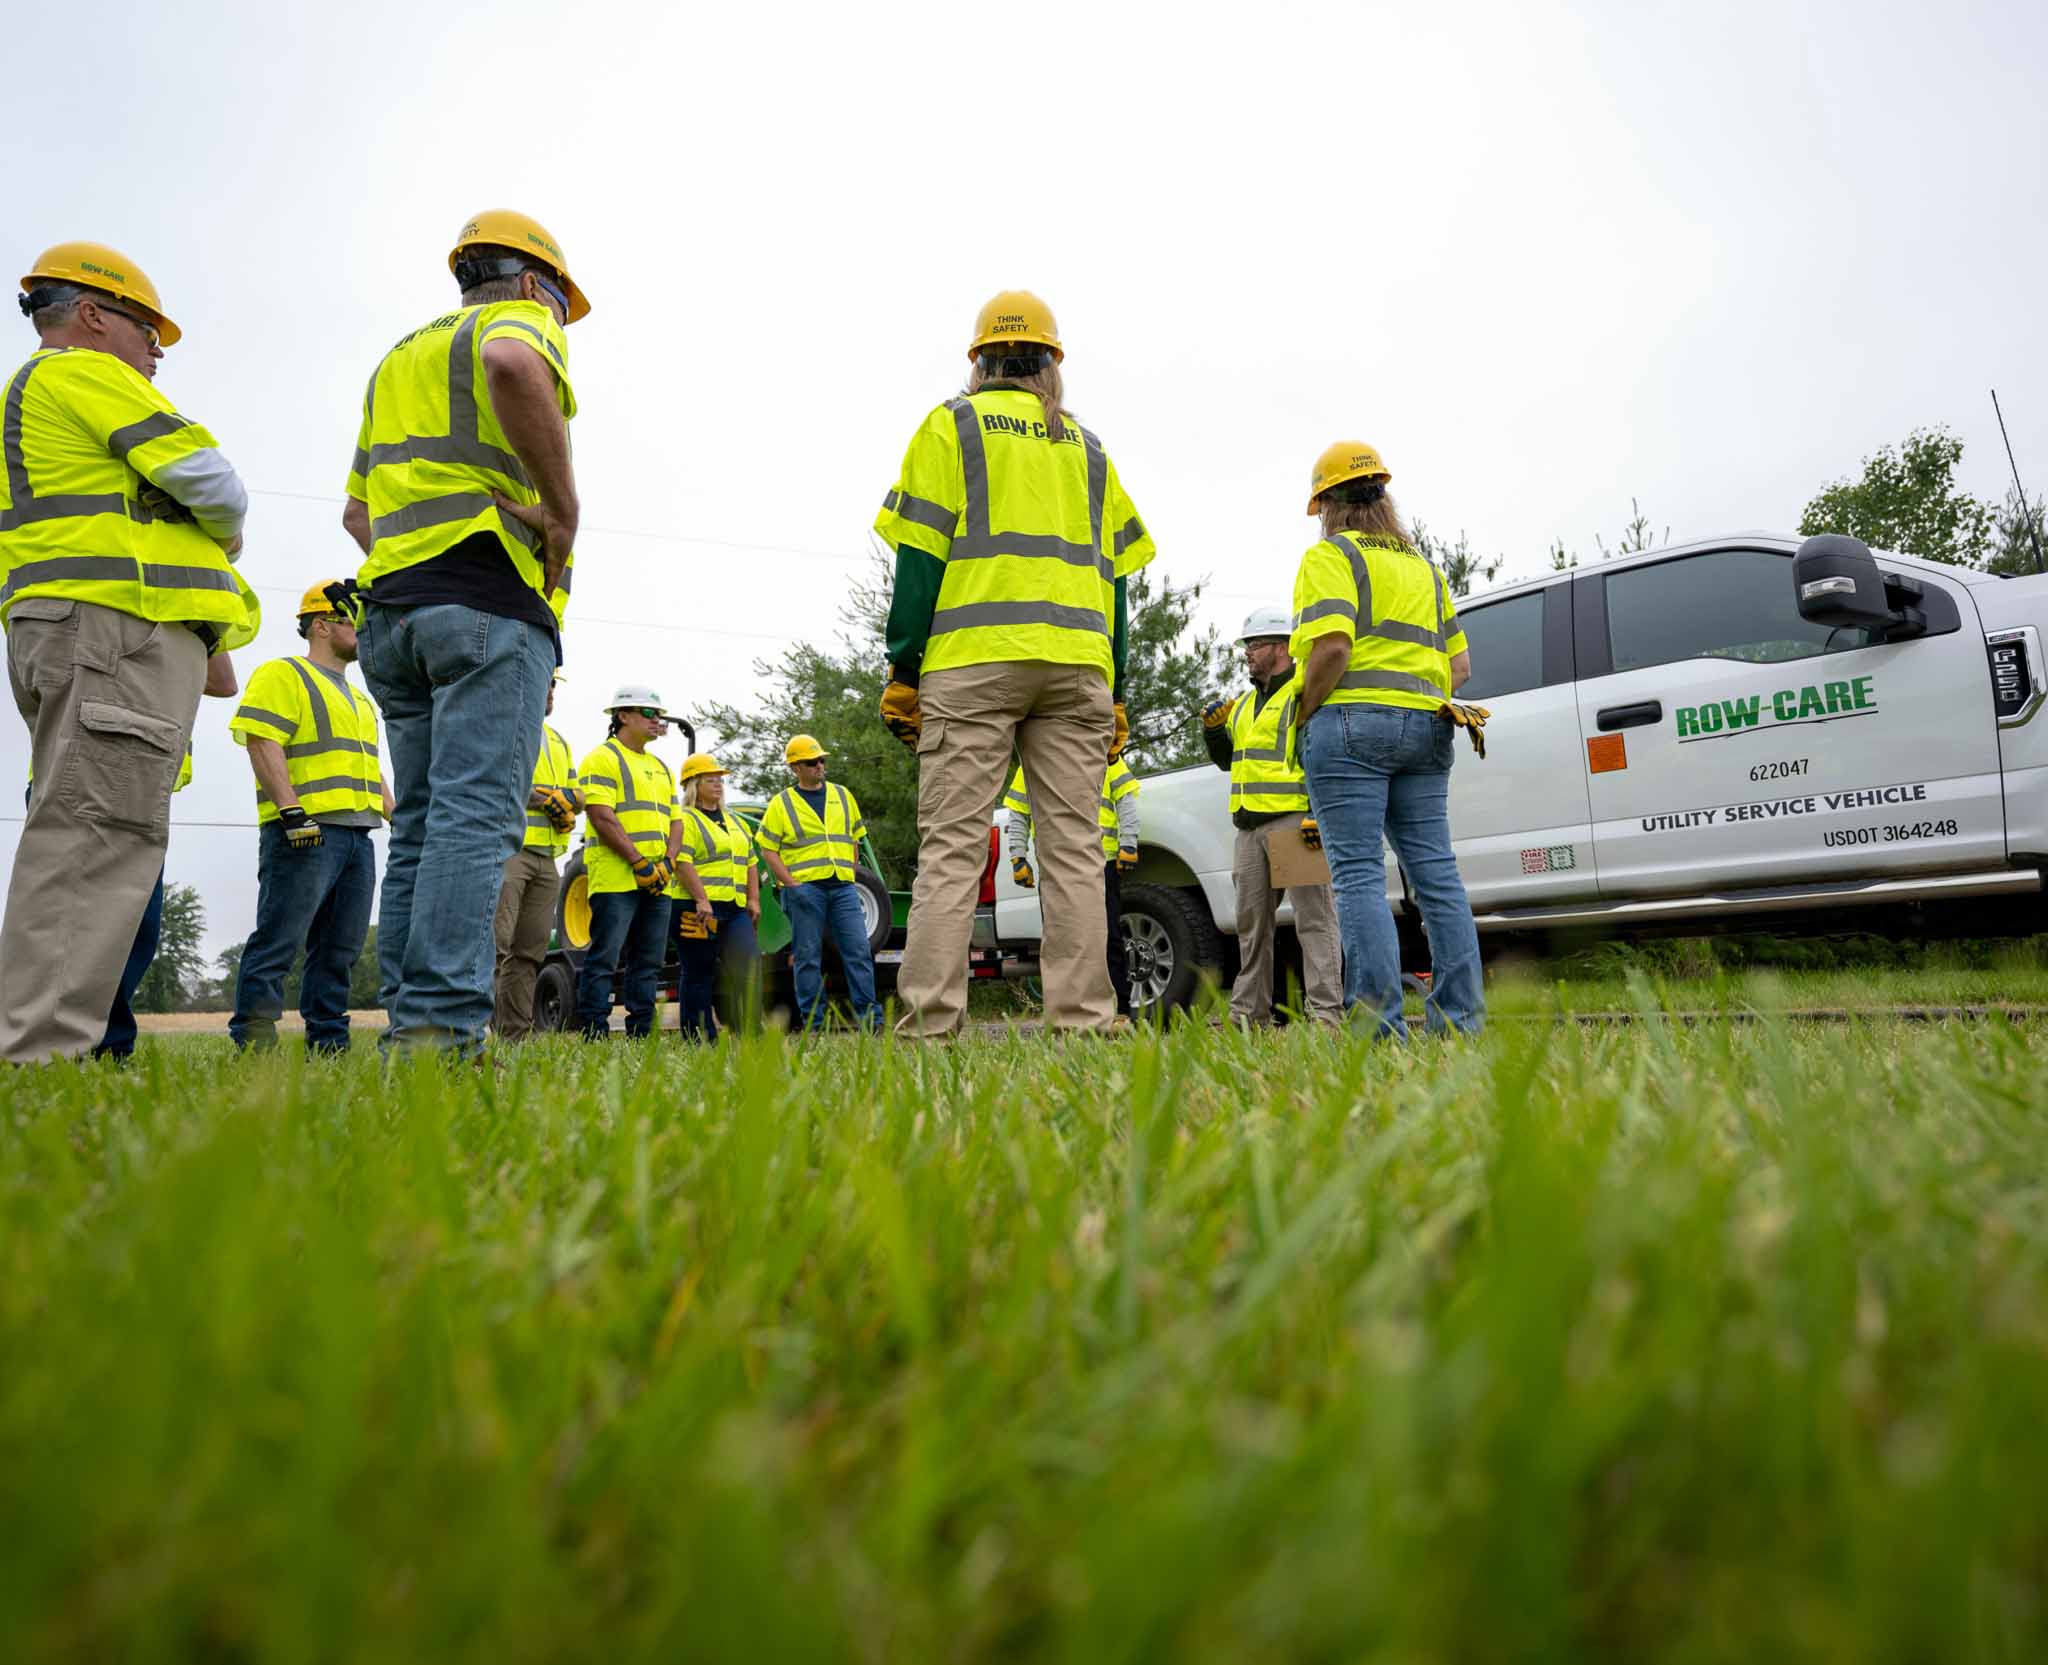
{"type": "Point", "coordinates": [1631, 716]}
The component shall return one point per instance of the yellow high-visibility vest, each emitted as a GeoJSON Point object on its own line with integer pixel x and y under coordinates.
{"type": "Point", "coordinates": [1394, 608]}
{"type": "Point", "coordinates": [328, 729]}
{"type": "Point", "coordinates": [1034, 534]}
{"type": "Point", "coordinates": [553, 767]}
{"type": "Point", "coordinates": [722, 855]}
{"type": "Point", "coordinates": [1262, 778]}
{"type": "Point", "coordinates": [1118, 784]}
{"type": "Point", "coordinates": [636, 787]}
{"type": "Point", "coordinates": [98, 468]}
{"type": "Point", "coordinates": [430, 450]}
{"type": "Point", "coordinates": [811, 848]}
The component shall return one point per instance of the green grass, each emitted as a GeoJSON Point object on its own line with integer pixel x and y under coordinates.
{"type": "Point", "coordinates": [1657, 1343]}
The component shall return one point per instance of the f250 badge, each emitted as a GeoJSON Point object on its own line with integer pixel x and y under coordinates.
{"type": "Point", "coordinates": [1814, 702]}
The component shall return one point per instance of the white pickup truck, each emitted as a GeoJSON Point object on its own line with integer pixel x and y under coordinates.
{"type": "Point", "coordinates": [1745, 732]}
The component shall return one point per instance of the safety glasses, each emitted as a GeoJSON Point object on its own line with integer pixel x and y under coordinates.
{"type": "Point", "coordinates": [148, 329]}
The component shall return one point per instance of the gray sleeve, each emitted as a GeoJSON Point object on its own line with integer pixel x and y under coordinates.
{"type": "Point", "coordinates": [1127, 821]}
{"type": "Point", "coordinates": [1017, 836]}
{"type": "Point", "coordinates": [206, 483]}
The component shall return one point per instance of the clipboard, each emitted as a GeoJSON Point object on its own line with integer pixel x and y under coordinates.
{"type": "Point", "coordinates": [1290, 863]}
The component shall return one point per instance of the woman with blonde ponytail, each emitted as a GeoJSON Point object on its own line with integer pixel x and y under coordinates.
{"type": "Point", "coordinates": [1007, 627]}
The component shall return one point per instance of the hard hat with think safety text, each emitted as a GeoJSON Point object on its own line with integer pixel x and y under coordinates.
{"type": "Point", "coordinates": [636, 696]}
{"type": "Point", "coordinates": [506, 228]}
{"type": "Point", "coordinates": [98, 267]}
{"type": "Point", "coordinates": [316, 602]}
{"type": "Point", "coordinates": [802, 748]}
{"type": "Point", "coordinates": [697, 765]}
{"type": "Point", "coordinates": [1348, 459]}
{"type": "Point", "coordinates": [1262, 623]}
{"type": "Point", "coordinates": [1016, 315]}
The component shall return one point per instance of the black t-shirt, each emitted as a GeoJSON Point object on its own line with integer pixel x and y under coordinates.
{"type": "Point", "coordinates": [475, 573]}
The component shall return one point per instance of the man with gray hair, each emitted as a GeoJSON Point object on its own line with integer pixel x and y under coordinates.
{"type": "Point", "coordinates": [118, 524]}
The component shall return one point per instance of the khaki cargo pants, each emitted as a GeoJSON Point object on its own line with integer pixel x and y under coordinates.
{"type": "Point", "coordinates": [1315, 931]}
{"type": "Point", "coordinates": [526, 919]}
{"type": "Point", "coordinates": [1058, 719]}
{"type": "Point", "coordinates": [109, 700]}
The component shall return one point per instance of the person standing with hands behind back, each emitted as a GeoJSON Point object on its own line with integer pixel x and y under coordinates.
{"type": "Point", "coordinates": [462, 498]}
{"type": "Point", "coordinates": [1007, 634]}
{"type": "Point", "coordinates": [1378, 638]}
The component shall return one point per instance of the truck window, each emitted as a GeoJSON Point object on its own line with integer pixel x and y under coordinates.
{"type": "Point", "coordinates": [1724, 604]}
{"type": "Point", "coordinates": [1506, 640]}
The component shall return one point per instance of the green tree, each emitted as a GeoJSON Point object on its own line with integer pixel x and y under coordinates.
{"type": "Point", "coordinates": [2020, 530]}
{"type": "Point", "coordinates": [835, 693]}
{"type": "Point", "coordinates": [1636, 536]}
{"type": "Point", "coordinates": [1906, 500]}
{"type": "Point", "coordinates": [175, 972]}
{"type": "Point", "coordinates": [1460, 564]}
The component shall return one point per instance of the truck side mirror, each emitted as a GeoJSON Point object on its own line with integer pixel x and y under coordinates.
{"type": "Point", "coordinates": [1837, 585]}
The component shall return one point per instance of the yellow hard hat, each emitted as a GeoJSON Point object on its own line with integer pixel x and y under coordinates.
{"type": "Point", "coordinates": [802, 748]}
{"type": "Point", "coordinates": [1348, 459]}
{"type": "Point", "coordinates": [108, 270]}
{"type": "Point", "coordinates": [505, 228]}
{"type": "Point", "coordinates": [696, 764]}
{"type": "Point", "coordinates": [316, 602]}
{"type": "Point", "coordinates": [1016, 315]}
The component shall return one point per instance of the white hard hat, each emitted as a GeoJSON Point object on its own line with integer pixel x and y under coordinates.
{"type": "Point", "coordinates": [635, 694]}
{"type": "Point", "coordinates": [1266, 621]}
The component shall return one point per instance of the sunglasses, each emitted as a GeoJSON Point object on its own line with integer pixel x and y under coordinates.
{"type": "Point", "coordinates": [149, 334]}
{"type": "Point", "coordinates": [651, 716]}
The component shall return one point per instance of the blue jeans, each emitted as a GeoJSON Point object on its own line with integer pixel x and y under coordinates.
{"type": "Point", "coordinates": [318, 900]}
{"type": "Point", "coordinates": [462, 694]}
{"type": "Point", "coordinates": [814, 910]}
{"type": "Point", "coordinates": [119, 1040]}
{"type": "Point", "coordinates": [628, 937]}
{"type": "Point", "coordinates": [1383, 769]}
{"type": "Point", "coordinates": [718, 983]}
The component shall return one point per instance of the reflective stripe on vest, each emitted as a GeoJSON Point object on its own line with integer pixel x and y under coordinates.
{"type": "Point", "coordinates": [331, 757]}
{"type": "Point", "coordinates": [1401, 656]}
{"type": "Point", "coordinates": [552, 767]}
{"type": "Point", "coordinates": [108, 547]}
{"type": "Point", "coordinates": [720, 854]}
{"type": "Point", "coordinates": [827, 852]}
{"type": "Point", "coordinates": [1262, 780]}
{"type": "Point", "coordinates": [1020, 593]}
{"type": "Point", "coordinates": [413, 519]}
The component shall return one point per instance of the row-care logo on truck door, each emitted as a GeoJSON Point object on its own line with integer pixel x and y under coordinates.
{"type": "Point", "coordinates": [1812, 702]}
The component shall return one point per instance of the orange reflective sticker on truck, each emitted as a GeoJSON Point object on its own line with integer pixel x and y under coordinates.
{"type": "Point", "coordinates": [1606, 753]}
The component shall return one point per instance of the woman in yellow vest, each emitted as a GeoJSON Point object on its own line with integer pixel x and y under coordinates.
{"type": "Point", "coordinates": [1006, 636]}
{"type": "Point", "coordinates": [312, 742]}
{"type": "Point", "coordinates": [1251, 739]}
{"type": "Point", "coordinates": [1377, 636]}
{"type": "Point", "coordinates": [717, 906]}
{"type": "Point", "coordinates": [631, 833]}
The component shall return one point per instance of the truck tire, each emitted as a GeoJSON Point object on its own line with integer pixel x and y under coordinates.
{"type": "Point", "coordinates": [1171, 945]}
{"type": "Point", "coordinates": [875, 907]}
{"type": "Point", "coordinates": [554, 997]}
{"type": "Point", "coordinates": [572, 909]}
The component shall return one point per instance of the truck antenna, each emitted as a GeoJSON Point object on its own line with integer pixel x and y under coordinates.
{"type": "Point", "coordinates": [2033, 531]}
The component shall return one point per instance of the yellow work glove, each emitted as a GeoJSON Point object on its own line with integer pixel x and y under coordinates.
{"type": "Point", "coordinates": [1121, 734]}
{"type": "Point", "coordinates": [1126, 859]}
{"type": "Point", "coordinates": [1020, 870]}
{"type": "Point", "coordinates": [653, 875]}
{"type": "Point", "coordinates": [558, 806]}
{"type": "Point", "coordinates": [301, 831]}
{"type": "Point", "coordinates": [1470, 718]}
{"type": "Point", "coordinates": [694, 927]}
{"type": "Point", "coordinates": [901, 715]}
{"type": "Point", "coordinates": [1215, 716]}
{"type": "Point", "coordinates": [1311, 834]}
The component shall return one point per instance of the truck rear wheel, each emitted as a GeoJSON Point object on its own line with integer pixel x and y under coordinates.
{"type": "Point", "coordinates": [554, 997]}
{"type": "Point", "coordinates": [1171, 946]}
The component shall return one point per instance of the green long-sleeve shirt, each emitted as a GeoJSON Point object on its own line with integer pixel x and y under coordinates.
{"type": "Point", "coordinates": [916, 597]}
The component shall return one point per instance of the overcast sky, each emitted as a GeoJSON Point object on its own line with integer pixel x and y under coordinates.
{"type": "Point", "coordinates": [1546, 257]}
